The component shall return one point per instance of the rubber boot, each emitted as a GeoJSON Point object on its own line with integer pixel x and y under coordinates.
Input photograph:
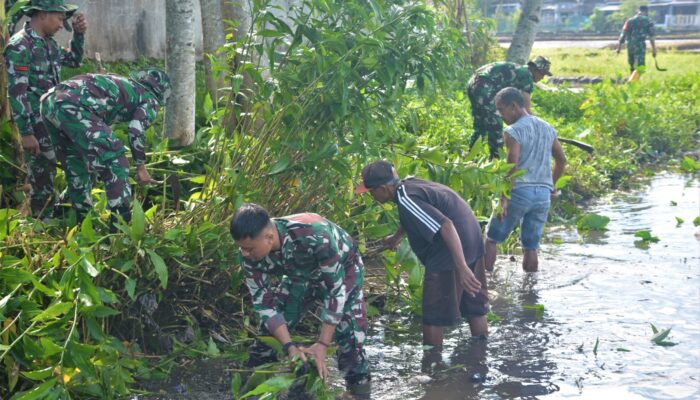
{"type": "Point", "coordinates": [361, 389]}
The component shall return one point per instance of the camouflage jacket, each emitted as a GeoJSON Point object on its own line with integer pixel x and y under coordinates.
{"type": "Point", "coordinates": [637, 29]}
{"type": "Point", "coordinates": [113, 99]}
{"type": "Point", "coordinates": [33, 67]}
{"type": "Point", "coordinates": [314, 251]}
{"type": "Point", "coordinates": [503, 74]}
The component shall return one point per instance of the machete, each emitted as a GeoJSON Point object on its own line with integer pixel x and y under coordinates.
{"type": "Point", "coordinates": [656, 64]}
{"type": "Point", "coordinates": [583, 146]}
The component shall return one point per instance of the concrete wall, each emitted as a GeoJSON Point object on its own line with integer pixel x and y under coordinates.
{"type": "Point", "coordinates": [126, 29]}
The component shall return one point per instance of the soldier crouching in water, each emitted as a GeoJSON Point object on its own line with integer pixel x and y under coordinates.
{"type": "Point", "coordinates": [78, 115]}
{"type": "Point", "coordinates": [290, 264]}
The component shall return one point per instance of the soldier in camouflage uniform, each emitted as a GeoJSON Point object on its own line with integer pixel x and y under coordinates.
{"type": "Point", "coordinates": [34, 61]}
{"type": "Point", "coordinates": [489, 80]}
{"type": "Point", "coordinates": [78, 113]}
{"type": "Point", "coordinates": [636, 31]}
{"type": "Point", "coordinates": [290, 264]}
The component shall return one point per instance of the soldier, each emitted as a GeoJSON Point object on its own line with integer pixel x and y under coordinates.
{"type": "Point", "coordinates": [290, 263]}
{"type": "Point", "coordinates": [78, 113]}
{"type": "Point", "coordinates": [484, 85]}
{"type": "Point", "coordinates": [34, 61]}
{"type": "Point", "coordinates": [636, 31]}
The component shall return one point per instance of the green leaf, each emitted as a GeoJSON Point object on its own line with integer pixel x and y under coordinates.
{"type": "Point", "coordinates": [661, 335]}
{"type": "Point", "coordinates": [595, 348]}
{"type": "Point", "coordinates": [38, 374]}
{"type": "Point", "coordinates": [130, 286]}
{"type": "Point", "coordinates": [622, 349]}
{"type": "Point", "coordinates": [100, 311]}
{"type": "Point", "coordinates": [198, 179]}
{"type": "Point", "coordinates": [236, 383]}
{"type": "Point", "coordinates": [592, 222]}
{"type": "Point", "coordinates": [12, 11]}
{"type": "Point", "coordinates": [87, 230]}
{"type": "Point", "coordinates": [53, 311]}
{"type": "Point", "coordinates": [273, 385]}
{"type": "Point", "coordinates": [561, 182]}
{"type": "Point", "coordinates": [280, 166]}
{"type": "Point", "coordinates": [689, 165]}
{"type": "Point", "coordinates": [696, 221]}
{"type": "Point", "coordinates": [50, 348]}
{"type": "Point", "coordinates": [212, 349]}
{"type": "Point", "coordinates": [137, 222]}
{"type": "Point", "coordinates": [646, 236]}
{"type": "Point", "coordinates": [679, 221]}
{"type": "Point", "coordinates": [37, 392]}
{"type": "Point", "coordinates": [160, 267]}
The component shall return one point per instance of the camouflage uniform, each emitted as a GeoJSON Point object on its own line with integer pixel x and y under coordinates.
{"type": "Point", "coordinates": [33, 67]}
{"type": "Point", "coordinates": [483, 86]}
{"type": "Point", "coordinates": [318, 263]}
{"type": "Point", "coordinates": [78, 113]}
{"type": "Point", "coordinates": [636, 31]}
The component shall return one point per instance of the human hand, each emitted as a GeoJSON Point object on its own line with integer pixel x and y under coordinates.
{"type": "Point", "coordinates": [296, 351]}
{"type": "Point", "coordinates": [31, 145]}
{"type": "Point", "coordinates": [79, 23]}
{"type": "Point", "coordinates": [143, 177]}
{"type": "Point", "coordinates": [468, 280]}
{"type": "Point", "coordinates": [653, 52]}
{"type": "Point", "coordinates": [392, 242]}
{"type": "Point", "coordinates": [554, 194]}
{"type": "Point", "coordinates": [618, 50]}
{"type": "Point", "coordinates": [318, 352]}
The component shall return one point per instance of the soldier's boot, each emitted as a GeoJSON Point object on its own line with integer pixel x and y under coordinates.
{"type": "Point", "coordinates": [124, 212]}
{"type": "Point", "coordinates": [361, 389]}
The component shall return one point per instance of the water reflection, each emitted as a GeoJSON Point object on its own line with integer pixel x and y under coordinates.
{"type": "Point", "coordinates": [590, 338]}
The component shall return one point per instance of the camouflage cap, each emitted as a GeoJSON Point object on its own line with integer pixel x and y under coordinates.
{"type": "Point", "coordinates": [156, 81]}
{"type": "Point", "coordinates": [542, 64]}
{"type": "Point", "coordinates": [52, 6]}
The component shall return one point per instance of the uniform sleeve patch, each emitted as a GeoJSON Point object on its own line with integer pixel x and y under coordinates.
{"type": "Point", "coordinates": [21, 68]}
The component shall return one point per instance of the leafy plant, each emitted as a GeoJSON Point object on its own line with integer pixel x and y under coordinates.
{"type": "Point", "coordinates": [592, 222]}
{"type": "Point", "coordinates": [646, 236]}
{"type": "Point", "coordinates": [689, 165]}
{"type": "Point", "coordinates": [660, 336]}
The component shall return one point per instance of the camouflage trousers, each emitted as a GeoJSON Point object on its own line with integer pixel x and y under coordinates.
{"type": "Point", "coordinates": [487, 121]}
{"type": "Point", "coordinates": [636, 55]}
{"type": "Point", "coordinates": [295, 298]}
{"type": "Point", "coordinates": [41, 171]}
{"type": "Point", "coordinates": [87, 145]}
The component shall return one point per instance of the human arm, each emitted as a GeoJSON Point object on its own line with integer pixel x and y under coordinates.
{"type": "Point", "coordinates": [74, 56]}
{"type": "Point", "coordinates": [18, 66]}
{"type": "Point", "coordinates": [140, 121]}
{"type": "Point", "coordinates": [559, 164]}
{"type": "Point", "coordinates": [623, 36]}
{"type": "Point", "coordinates": [454, 245]}
{"type": "Point", "coordinates": [319, 349]}
{"type": "Point", "coordinates": [393, 241]}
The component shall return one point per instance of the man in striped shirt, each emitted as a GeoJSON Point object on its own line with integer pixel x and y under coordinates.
{"type": "Point", "coordinates": [446, 238]}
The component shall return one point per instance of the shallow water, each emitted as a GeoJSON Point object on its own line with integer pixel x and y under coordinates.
{"type": "Point", "coordinates": [599, 287]}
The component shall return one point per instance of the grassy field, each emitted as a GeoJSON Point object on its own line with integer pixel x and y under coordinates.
{"type": "Point", "coordinates": [605, 63]}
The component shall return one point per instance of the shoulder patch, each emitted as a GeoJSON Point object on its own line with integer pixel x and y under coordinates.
{"type": "Point", "coordinates": [21, 68]}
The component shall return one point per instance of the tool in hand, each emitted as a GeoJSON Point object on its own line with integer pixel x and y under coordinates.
{"type": "Point", "coordinates": [583, 146]}
{"type": "Point", "coordinates": [656, 64]}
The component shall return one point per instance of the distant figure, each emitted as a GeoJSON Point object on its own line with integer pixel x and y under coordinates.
{"type": "Point", "coordinates": [531, 143]}
{"type": "Point", "coordinates": [484, 85]}
{"type": "Point", "coordinates": [446, 237]}
{"type": "Point", "coordinates": [78, 114]}
{"type": "Point", "coordinates": [291, 265]}
{"type": "Point", "coordinates": [636, 31]}
{"type": "Point", "coordinates": [34, 60]}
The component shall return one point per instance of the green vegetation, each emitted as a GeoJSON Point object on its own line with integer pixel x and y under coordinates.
{"type": "Point", "coordinates": [80, 309]}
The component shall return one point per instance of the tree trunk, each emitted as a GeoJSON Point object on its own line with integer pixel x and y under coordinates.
{"type": "Point", "coordinates": [180, 61]}
{"type": "Point", "coordinates": [213, 38]}
{"type": "Point", "coordinates": [524, 36]}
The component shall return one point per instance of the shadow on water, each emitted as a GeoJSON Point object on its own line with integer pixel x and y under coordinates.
{"type": "Point", "coordinates": [579, 328]}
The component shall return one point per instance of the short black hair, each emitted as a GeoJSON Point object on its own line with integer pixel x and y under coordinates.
{"type": "Point", "coordinates": [249, 221]}
{"type": "Point", "coordinates": [510, 95]}
{"type": "Point", "coordinates": [643, 8]}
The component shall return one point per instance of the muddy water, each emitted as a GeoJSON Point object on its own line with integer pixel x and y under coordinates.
{"type": "Point", "coordinates": [602, 288]}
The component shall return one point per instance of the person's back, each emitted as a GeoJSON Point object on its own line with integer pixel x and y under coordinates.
{"type": "Point", "coordinates": [112, 98]}
{"type": "Point", "coordinates": [535, 137]}
{"type": "Point", "coordinates": [505, 73]}
{"type": "Point", "coordinates": [639, 28]}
